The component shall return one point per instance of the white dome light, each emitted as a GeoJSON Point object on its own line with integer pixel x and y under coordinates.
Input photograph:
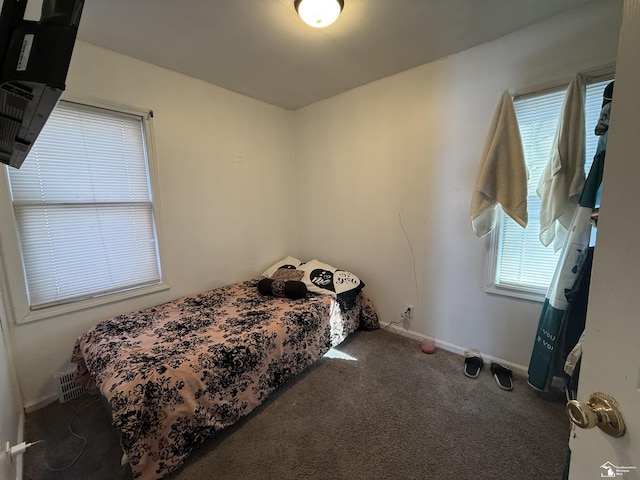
{"type": "Point", "coordinates": [319, 13]}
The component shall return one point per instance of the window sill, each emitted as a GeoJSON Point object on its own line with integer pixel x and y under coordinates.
{"type": "Point", "coordinates": [58, 310]}
{"type": "Point", "coordinates": [517, 292]}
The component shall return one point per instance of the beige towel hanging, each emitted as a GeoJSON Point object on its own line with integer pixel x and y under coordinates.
{"type": "Point", "coordinates": [563, 177]}
{"type": "Point", "coordinates": [502, 178]}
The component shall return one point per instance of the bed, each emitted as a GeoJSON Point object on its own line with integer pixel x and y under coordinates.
{"type": "Point", "coordinates": [175, 374]}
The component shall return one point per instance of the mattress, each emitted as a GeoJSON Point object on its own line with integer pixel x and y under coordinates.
{"type": "Point", "coordinates": [177, 373]}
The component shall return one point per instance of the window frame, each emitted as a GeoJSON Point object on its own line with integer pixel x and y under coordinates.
{"type": "Point", "coordinates": [14, 278]}
{"type": "Point", "coordinates": [523, 291]}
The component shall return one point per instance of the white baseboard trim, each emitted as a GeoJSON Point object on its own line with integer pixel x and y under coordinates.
{"type": "Point", "coordinates": [41, 402]}
{"type": "Point", "coordinates": [451, 347]}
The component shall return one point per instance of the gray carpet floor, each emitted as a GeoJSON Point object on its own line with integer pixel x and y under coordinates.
{"type": "Point", "coordinates": [385, 410]}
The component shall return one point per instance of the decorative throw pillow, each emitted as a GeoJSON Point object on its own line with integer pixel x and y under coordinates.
{"type": "Point", "coordinates": [324, 279]}
{"type": "Point", "coordinates": [287, 274]}
{"type": "Point", "coordinates": [282, 288]}
{"type": "Point", "coordinates": [289, 262]}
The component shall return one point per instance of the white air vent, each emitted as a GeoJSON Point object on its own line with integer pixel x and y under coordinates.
{"type": "Point", "coordinates": [68, 389]}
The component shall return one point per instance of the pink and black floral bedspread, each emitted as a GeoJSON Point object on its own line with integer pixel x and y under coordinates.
{"type": "Point", "coordinates": [176, 373]}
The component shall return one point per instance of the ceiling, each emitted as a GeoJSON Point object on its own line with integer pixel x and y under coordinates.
{"type": "Point", "coordinates": [260, 48]}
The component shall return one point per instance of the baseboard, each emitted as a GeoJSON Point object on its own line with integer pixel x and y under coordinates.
{"type": "Point", "coordinates": [41, 402]}
{"type": "Point", "coordinates": [451, 347]}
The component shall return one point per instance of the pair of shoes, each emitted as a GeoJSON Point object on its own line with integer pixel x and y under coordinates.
{"type": "Point", "coordinates": [472, 363]}
{"type": "Point", "coordinates": [502, 375]}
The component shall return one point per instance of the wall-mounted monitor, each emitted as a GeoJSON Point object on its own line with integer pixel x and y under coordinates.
{"type": "Point", "coordinates": [34, 60]}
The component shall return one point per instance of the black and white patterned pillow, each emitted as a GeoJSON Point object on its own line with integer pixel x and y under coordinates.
{"type": "Point", "coordinates": [325, 279]}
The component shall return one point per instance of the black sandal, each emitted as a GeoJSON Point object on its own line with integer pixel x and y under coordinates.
{"type": "Point", "coordinates": [503, 376]}
{"type": "Point", "coordinates": [472, 363]}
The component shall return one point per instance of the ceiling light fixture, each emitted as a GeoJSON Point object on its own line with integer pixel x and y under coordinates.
{"type": "Point", "coordinates": [319, 13]}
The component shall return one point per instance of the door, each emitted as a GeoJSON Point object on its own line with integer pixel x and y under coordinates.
{"type": "Point", "coordinates": [611, 349]}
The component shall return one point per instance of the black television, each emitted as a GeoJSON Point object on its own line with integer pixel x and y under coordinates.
{"type": "Point", "coordinates": [34, 61]}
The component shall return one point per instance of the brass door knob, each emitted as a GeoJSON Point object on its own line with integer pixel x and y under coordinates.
{"type": "Point", "coordinates": [601, 410]}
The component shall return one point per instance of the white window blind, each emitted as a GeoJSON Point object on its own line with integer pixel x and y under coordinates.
{"type": "Point", "coordinates": [522, 262]}
{"type": "Point", "coordinates": [83, 207]}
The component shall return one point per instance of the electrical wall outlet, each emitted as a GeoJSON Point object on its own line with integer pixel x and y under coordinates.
{"type": "Point", "coordinates": [408, 311]}
{"type": "Point", "coordinates": [8, 453]}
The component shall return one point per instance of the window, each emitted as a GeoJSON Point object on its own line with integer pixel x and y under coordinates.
{"type": "Point", "coordinates": [522, 265]}
{"type": "Point", "coordinates": [83, 207]}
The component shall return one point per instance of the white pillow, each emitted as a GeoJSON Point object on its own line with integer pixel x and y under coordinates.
{"type": "Point", "coordinates": [289, 262]}
{"type": "Point", "coordinates": [327, 280]}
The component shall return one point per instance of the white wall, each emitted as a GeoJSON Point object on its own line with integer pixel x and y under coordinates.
{"type": "Point", "coordinates": [409, 145]}
{"type": "Point", "coordinates": [9, 401]}
{"type": "Point", "coordinates": [225, 165]}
